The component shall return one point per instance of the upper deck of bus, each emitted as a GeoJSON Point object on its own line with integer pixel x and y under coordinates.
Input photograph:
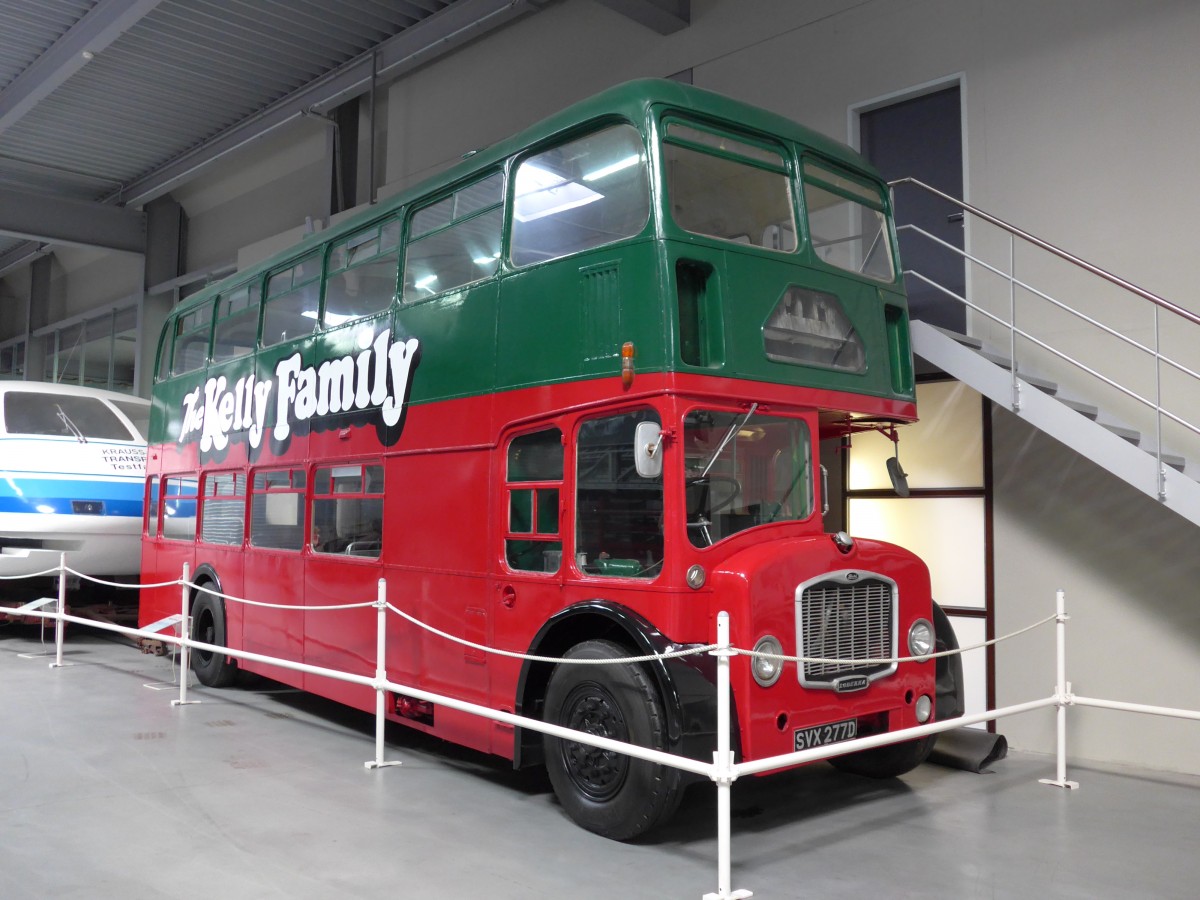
{"type": "Point", "coordinates": [693, 303]}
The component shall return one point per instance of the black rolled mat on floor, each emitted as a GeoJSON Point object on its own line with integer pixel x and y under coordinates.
{"type": "Point", "coordinates": [969, 749]}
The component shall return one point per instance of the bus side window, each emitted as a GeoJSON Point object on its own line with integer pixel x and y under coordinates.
{"type": "Point", "coordinates": [618, 513]}
{"type": "Point", "coordinates": [534, 475]}
{"type": "Point", "coordinates": [277, 509]}
{"type": "Point", "coordinates": [347, 510]}
{"type": "Point", "coordinates": [191, 340]}
{"type": "Point", "coordinates": [361, 273]}
{"type": "Point", "coordinates": [152, 507]}
{"type": "Point", "coordinates": [223, 514]}
{"type": "Point", "coordinates": [584, 194]}
{"type": "Point", "coordinates": [236, 331]}
{"type": "Point", "coordinates": [293, 295]}
{"type": "Point", "coordinates": [455, 241]}
{"type": "Point", "coordinates": [179, 508]}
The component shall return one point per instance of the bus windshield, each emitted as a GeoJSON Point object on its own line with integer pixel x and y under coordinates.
{"type": "Point", "coordinates": [743, 469]}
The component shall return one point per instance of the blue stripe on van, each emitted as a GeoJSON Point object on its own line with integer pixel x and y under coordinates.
{"type": "Point", "coordinates": [54, 495]}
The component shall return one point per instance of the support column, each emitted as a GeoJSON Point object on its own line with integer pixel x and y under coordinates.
{"type": "Point", "coordinates": [166, 258]}
{"type": "Point", "coordinates": [37, 315]}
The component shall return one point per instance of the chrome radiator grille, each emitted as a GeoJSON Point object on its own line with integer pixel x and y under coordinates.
{"type": "Point", "coordinates": [842, 619]}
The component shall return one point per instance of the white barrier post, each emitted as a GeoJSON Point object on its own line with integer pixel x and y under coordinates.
{"type": "Point", "coordinates": [1062, 693]}
{"type": "Point", "coordinates": [723, 773]}
{"type": "Point", "coordinates": [185, 632]}
{"type": "Point", "coordinates": [59, 624]}
{"type": "Point", "coordinates": [380, 677]}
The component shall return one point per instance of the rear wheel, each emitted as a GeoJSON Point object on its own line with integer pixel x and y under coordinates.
{"type": "Point", "coordinates": [607, 792]}
{"type": "Point", "coordinates": [208, 625]}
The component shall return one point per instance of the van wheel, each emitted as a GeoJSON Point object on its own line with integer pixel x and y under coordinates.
{"type": "Point", "coordinates": [208, 625]}
{"type": "Point", "coordinates": [606, 792]}
{"type": "Point", "coordinates": [888, 761]}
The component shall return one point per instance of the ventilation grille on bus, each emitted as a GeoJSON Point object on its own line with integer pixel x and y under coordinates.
{"type": "Point", "coordinates": [846, 620]}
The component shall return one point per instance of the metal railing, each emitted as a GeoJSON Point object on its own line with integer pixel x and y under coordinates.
{"type": "Point", "coordinates": [724, 769]}
{"type": "Point", "coordinates": [1176, 315]}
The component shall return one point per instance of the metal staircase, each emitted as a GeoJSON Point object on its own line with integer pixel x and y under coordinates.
{"type": "Point", "coordinates": [1056, 391]}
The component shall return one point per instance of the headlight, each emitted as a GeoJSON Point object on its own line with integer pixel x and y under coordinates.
{"type": "Point", "coordinates": [767, 671]}
{"type": "Point", "coordinates": [921, 641]}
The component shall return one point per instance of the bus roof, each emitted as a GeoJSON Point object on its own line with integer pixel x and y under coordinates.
{"type": "Point", "coordinates": [631, 100]}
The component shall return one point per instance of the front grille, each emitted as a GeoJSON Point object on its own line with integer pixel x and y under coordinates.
{"type": "Point", "coordinates": [847, 616]}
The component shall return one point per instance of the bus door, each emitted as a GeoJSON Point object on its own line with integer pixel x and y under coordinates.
{"type": "Point", "coordinates": [342, 566]}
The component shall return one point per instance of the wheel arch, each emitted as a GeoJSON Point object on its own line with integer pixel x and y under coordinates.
{"type": "Point", "coordinates": [686, 685]}
{"type": "Point", "coordinates": [206, 574]}
{"type": "Point", "coordinates": [949, 701]}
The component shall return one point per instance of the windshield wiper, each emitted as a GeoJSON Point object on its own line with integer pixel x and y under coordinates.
{"type": "Point", "coordinates": [70, 426]}
{"type": "Point", "coordinates": [733, 429]}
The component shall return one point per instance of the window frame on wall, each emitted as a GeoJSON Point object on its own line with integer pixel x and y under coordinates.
{"type": "Point", "coordinates": [66, 349]}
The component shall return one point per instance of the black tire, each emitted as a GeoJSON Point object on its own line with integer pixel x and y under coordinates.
{"type": "Point", "coordinates": [609, 793]}
{"type": "Point", "coordinates": [208, 625]}
{"type": "Point", "coordinates": [886, 762]}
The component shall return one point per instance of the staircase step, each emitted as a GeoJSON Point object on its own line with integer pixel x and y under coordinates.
{"type": "Point", "coordinates": [1084, 409]}
{"type": "Point", "coordinates": [1134, 437]}
{"type": "Point", "coordinates": [965, 339]}
{"type": "Point", "coordinates": [1044, 385]}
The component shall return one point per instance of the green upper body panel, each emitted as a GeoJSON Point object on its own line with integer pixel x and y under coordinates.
{"type": "Point", "coordinates": [691, 299]}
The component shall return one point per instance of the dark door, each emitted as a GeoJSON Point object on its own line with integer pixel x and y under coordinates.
{"type": "Point", "coordinates": [922, 138]}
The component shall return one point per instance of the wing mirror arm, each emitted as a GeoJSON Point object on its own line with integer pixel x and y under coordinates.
{"type": "Point", "coordinates": [647, 449]}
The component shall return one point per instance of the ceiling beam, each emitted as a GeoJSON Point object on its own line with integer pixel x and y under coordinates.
{"type": "Point", "coordinates": [103, 24]}
{"type": "Point", "coordinates": [21, 255]}
{"type": "Point", "coordinates": [416, 46]}
{"type": "Point", "coordinates": [61, 221]}
{"type": "Point", "coordinates": [663, 16]}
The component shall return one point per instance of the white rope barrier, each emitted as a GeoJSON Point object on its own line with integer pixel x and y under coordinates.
{"type": "Point", "coordinates": [723, 771]}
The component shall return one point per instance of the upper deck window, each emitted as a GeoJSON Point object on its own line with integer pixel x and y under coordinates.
{"type": "Point", "coordinates": [455, 241]}
{"type": "Point", "coordinates": [360, 278]}
{"type": "Point", "coordinates": [726, 188]}
{"type": "Point", "coordinates": [237, 322]}
{"type": "Point", "coordinates": [292, 296]}
{"type": "Point", "coordinates": [847, 223]}
{"type": "Point", "coordinates": [584, 194]}
{"type": "Point", "coordinates": [191, 340]}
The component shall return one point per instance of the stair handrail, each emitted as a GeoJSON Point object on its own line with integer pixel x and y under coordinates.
{"type": "Point", "coordinates": [1120, 282]}
{"type": "Point", "coordinates": [1158, 303]}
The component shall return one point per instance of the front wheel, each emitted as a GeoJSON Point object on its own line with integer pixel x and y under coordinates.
{"type": "Point", "coordinates": [208, 626]}
{"type": "Point", "coordinates": [607, 792]}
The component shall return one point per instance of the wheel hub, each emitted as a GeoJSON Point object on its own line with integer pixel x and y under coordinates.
{"type": "Point", "coordinates": [598, 773]}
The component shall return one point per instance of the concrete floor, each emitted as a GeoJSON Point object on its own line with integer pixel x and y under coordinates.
{"type": "Point", "coordinates": [106, 790]}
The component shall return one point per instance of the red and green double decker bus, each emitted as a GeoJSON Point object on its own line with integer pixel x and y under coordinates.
{"type": "Point", "coordinates": [567, 399]}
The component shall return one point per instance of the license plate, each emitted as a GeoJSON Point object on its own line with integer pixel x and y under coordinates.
{"type": "Point", "coordinates": [820, 735]}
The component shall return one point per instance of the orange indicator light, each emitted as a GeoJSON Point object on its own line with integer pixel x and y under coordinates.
{"type": "Point", "coordinates": [627, 364]}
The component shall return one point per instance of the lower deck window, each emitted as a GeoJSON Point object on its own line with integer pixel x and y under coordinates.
{"type": "Point", "coordinates": [534, 475]}
{"type": "Point", "coordinates": [277, 509]}
{"type": "Point", "coordinates": [347, 512]}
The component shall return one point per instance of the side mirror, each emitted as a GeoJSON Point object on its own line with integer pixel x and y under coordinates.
{"type": "Point", "coordinates": [647, 449]}
{"type": "Point", "coordinates": [898, 476]}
